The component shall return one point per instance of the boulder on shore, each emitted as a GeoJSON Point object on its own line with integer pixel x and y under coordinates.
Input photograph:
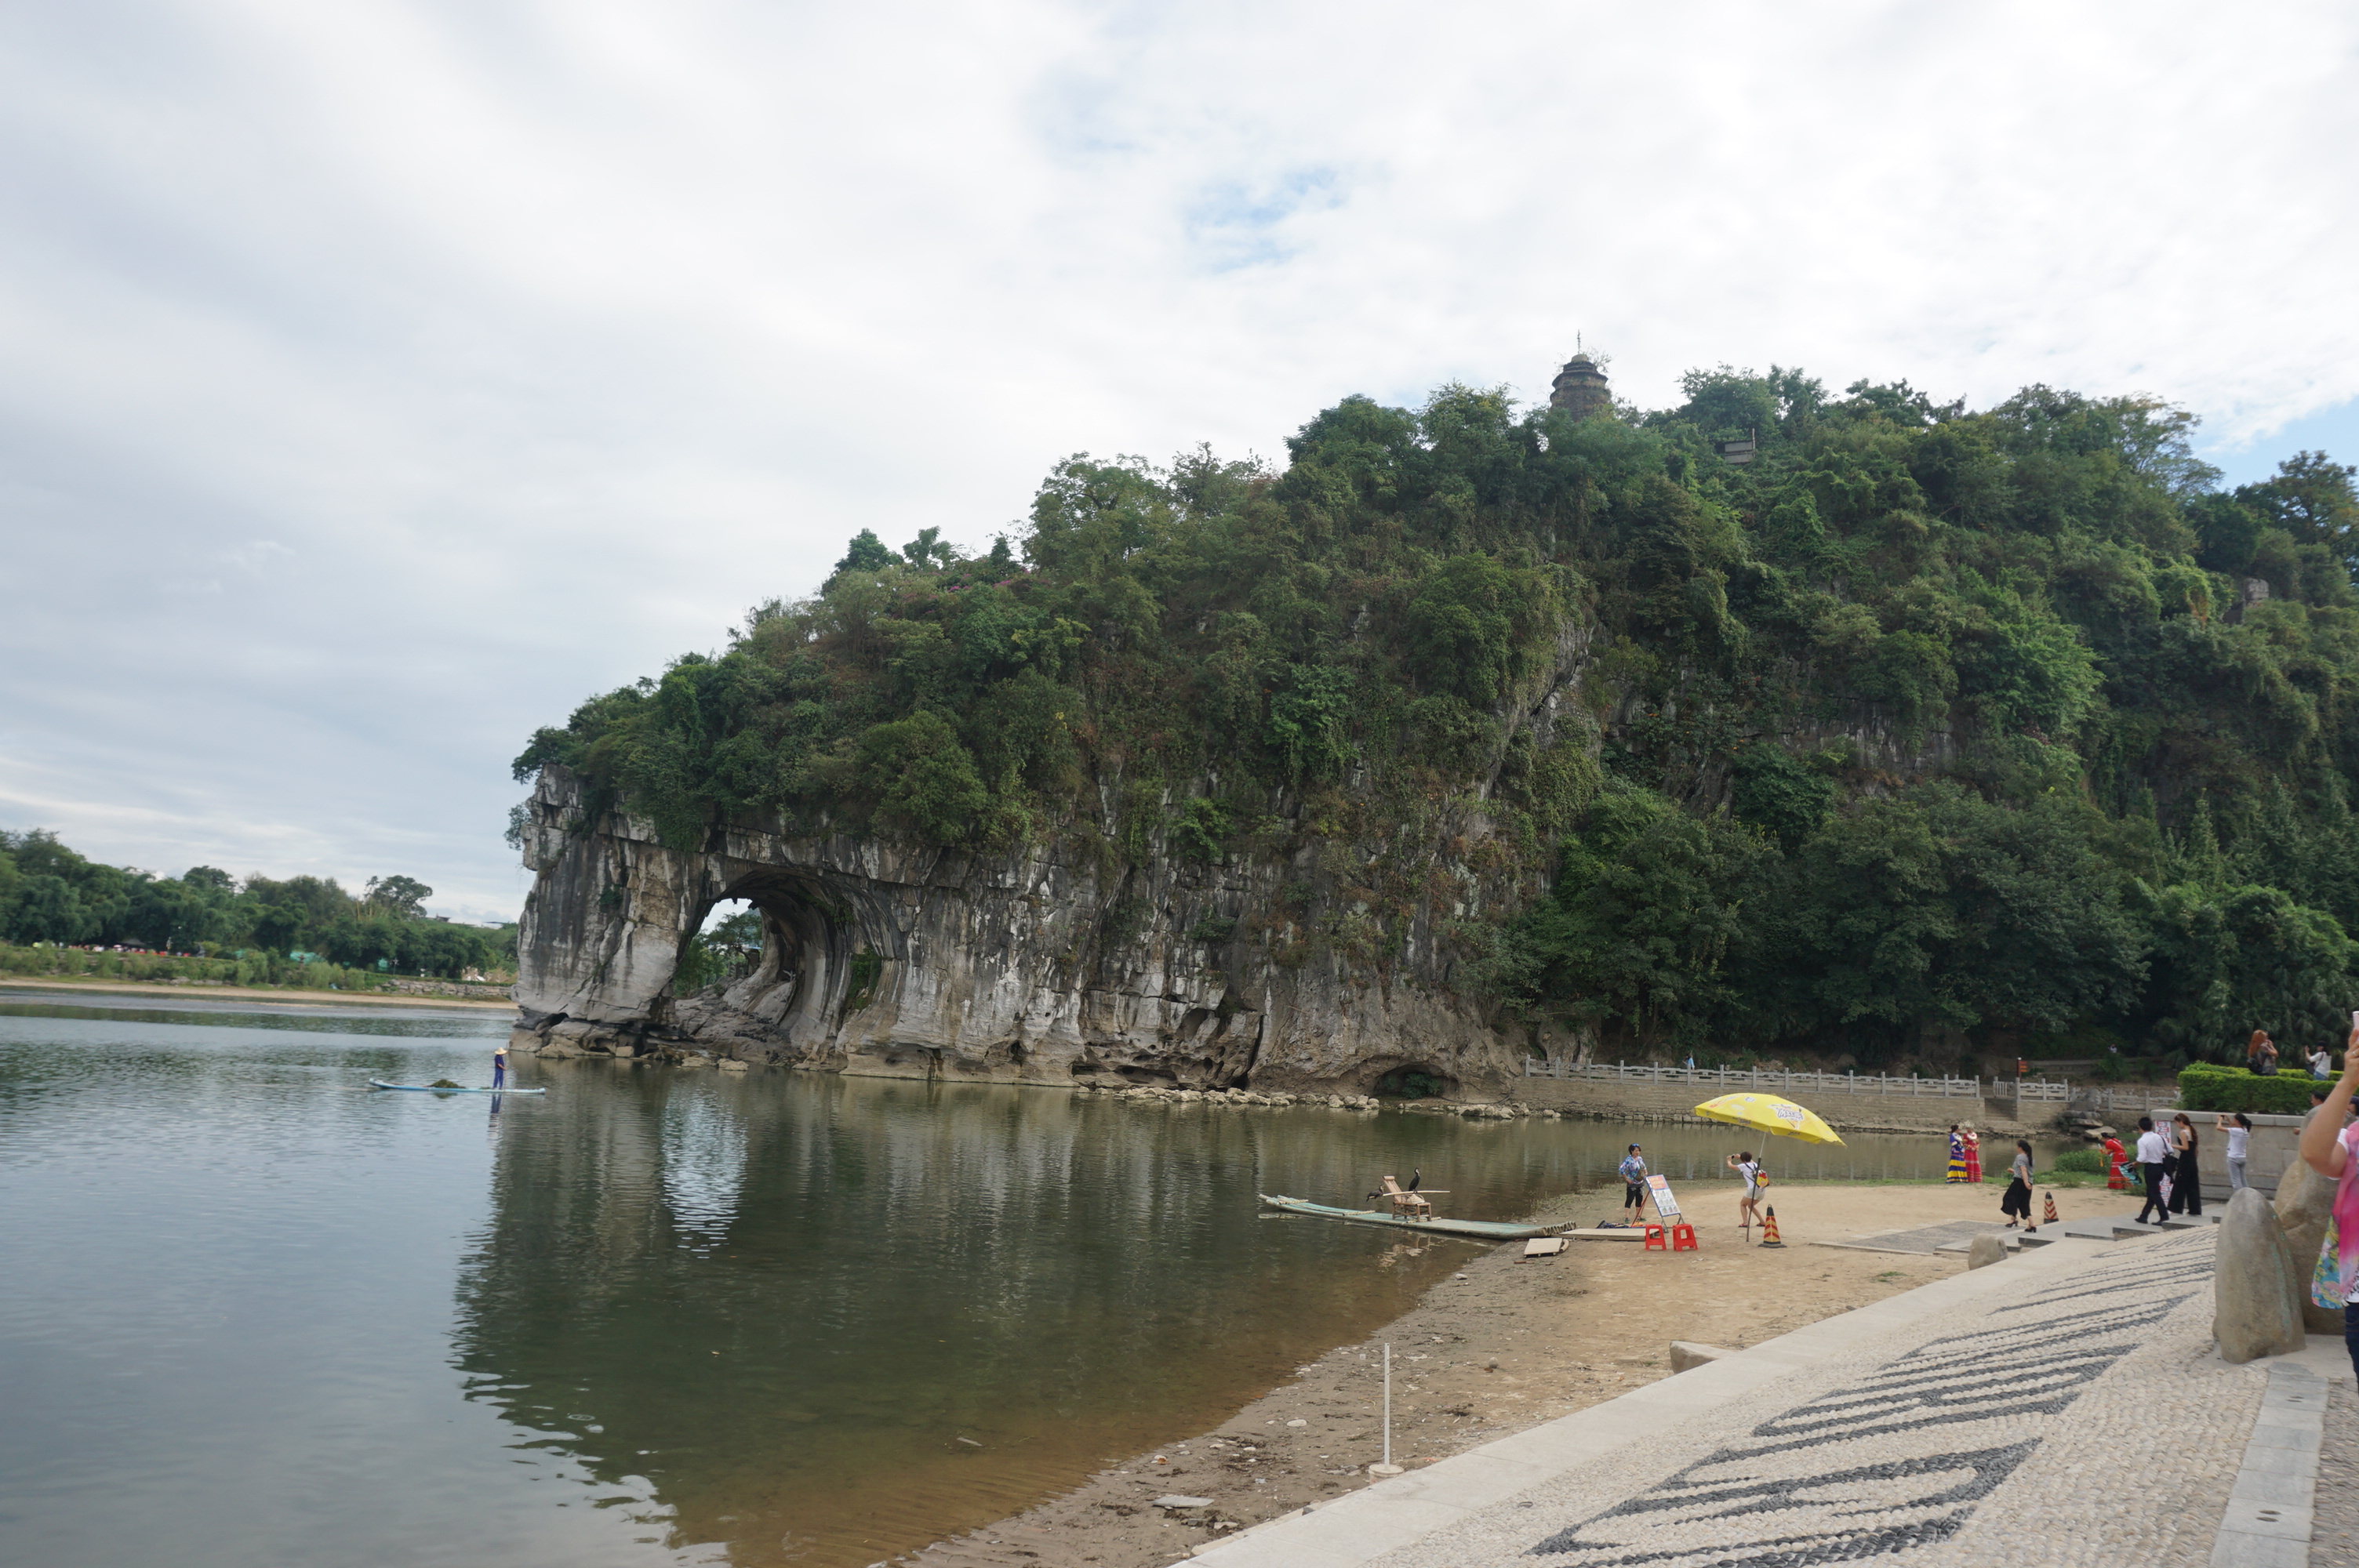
{"type": "Point", "coordinates": [1988, 1247]}
{"type": "Point", "coordinates": [2255, 1310]}
{"type": "Point", "coordinates": [2304, 1200]}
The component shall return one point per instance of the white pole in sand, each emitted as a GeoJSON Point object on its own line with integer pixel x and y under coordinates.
{"type": "Point", "coordinates": [1387, 1467]}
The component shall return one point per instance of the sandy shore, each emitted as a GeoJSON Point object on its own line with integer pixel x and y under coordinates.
{"type": "Point", "coordinates": [1500, 1346]}
{"type": "Point", "coordinates": [79, 983]}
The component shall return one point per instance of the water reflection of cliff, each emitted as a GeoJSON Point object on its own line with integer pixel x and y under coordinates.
{"type": "Point", "coordinates": [824, 1319]}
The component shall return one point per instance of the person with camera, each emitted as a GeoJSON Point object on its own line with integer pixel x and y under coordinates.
{"type": "Point", "coordinates": [1748, 1208]}
{"type": "Point", "coordinates": [2330, 1145]}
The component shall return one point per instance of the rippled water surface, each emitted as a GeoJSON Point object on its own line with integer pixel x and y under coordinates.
{"type": "Point", "coordinates": [254, 1313]}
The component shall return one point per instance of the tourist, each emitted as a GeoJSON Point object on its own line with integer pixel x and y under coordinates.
{"type": "Point", "coordinates": [1634, 1180]}
{"type": "Point", "coordinates": [2186, 1176]}
{"type": "Point", "coordinates": [2239, 1129]}
{"type": "Point", "coordinates": [1957, 1155]}
{"type": "Point", "coordinates": [2267, 1067]}
{"type": "Point", "coordinates": [2152, 1148]}
{"type": "Point", "coordinates": [2253, 1050]}
{"type": "Point", "coordinates": [2016, 1204]}
{"type": "Point", "coordinates": [2328, 1148]}
{"type": "Point", "coordinates": [1973, 1155]}
{"type": "Point", "coordinates": [2322, 1065]}
{"type": "Point", "coordinates": [500, 1066]}
{"type": "Point", "coordinates": [2117, 1164]}
{"type": "Point", "coordinates": [1748, 1207]}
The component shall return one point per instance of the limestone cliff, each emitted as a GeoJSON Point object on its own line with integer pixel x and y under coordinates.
{"type": "Point", "coordinates": [1317, 962]}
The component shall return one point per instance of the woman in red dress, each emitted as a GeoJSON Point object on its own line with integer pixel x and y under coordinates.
{"type": "Point", "coordinates": [1973, 1156]}
{"type": "Point", "coordinates": [2116, 1180]}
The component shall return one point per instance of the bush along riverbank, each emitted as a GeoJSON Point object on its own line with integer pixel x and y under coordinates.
{"type": "Point", "coordinates": [43, 959]}
{"type": "Point", "coordinates": [254, 971]}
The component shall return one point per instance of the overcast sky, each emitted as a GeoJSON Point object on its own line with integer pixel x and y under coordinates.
{"type": "Point", "coordinates": [382, 379]}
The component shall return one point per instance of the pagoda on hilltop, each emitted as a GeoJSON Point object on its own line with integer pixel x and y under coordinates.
{"type": "Point", "coordinates": [1581, 387]}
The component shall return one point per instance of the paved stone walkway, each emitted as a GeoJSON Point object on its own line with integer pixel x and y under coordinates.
{"type": "Point", "coordinates": [2065, 1407]}
{"type": "Point", "coordinates": [1925, 1240]}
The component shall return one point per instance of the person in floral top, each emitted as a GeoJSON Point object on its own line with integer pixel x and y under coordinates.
{"type": "Point", "coordinates": [2330, 1145]}
{"type": "Point", "coordinates": [1634, 1180]}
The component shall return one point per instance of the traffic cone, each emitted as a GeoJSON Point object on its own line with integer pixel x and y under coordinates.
{"type": "Point", "coordinates": [2049, 1217]}
{"type": "Point", "coordinates": [1769, 1228]}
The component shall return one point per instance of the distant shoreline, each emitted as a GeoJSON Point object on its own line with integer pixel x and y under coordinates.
{"type": "Point", "coordinates": [249, 993]}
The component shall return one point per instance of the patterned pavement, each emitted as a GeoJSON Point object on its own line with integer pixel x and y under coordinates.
{"type": "Point", "coordinates": [2064, 1407]}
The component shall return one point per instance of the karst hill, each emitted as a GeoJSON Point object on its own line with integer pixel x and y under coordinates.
{"type": "Point", "coordinates": [1863, 725]}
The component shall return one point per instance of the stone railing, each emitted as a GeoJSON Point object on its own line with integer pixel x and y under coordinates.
{"type": "Point", "coordinates": [2134, 1101]}
{"type": "Point", "coordinates": [1731, 1079]}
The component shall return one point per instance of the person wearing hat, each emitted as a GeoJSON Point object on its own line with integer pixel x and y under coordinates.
{"type": "Point", "coordinates": [500, 1066]}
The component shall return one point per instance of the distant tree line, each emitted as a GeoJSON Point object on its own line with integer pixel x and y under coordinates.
{"type": "Point", "coordinates": [50, 893]}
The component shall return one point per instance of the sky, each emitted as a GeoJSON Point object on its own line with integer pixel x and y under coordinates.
{"type": "Point", "coordinates": [379, 380]}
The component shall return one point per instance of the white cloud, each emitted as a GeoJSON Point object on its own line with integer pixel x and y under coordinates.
{"type": "Point", "coordinates": [385, 378]}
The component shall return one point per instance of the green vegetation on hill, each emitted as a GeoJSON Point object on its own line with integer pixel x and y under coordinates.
{"type": "Point", "coordinates": [1926, 724]}
{"type": "Point", "coordinates": [51, 895]}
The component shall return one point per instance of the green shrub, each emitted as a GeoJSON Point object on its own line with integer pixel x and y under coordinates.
{"type": "Point", "coordinates": [2204, 1087]}
{"type": "Point", "coordinates": [1199, 833]}
{"type": "Point", "coordinates": [2089, 1159]}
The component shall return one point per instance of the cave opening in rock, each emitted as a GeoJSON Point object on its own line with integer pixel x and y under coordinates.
{"type": "Point", "coordinates": [767, 947]}
{"type": "Point", "coordinates": [1416, 1080]}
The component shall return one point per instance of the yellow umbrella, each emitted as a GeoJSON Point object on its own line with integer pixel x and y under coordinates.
{"type": "Point", "coordinates": [1768, 1113]}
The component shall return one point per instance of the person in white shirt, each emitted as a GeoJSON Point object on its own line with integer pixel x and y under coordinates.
{"type": "Point", "coordinates": [1748, 1212]}
{"type": "Point", "coordinates": [2322, 1065]}
{"type": "Point", "coordinates": [2153, 1149]}
{"type": "Point", "coordinates": [2239, 1129]}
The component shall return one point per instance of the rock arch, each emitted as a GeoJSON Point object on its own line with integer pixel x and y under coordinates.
{"type": "Point", "coordinates": [1035, 965]}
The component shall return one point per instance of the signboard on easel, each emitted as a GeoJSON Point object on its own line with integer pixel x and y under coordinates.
{"type": "Point", "coordinates": [1665, 1204]}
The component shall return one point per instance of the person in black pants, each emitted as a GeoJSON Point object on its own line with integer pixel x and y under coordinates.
{"type": "Point", "coordinates": [2152, 1148]}
{"type": "Point", "coordinates": [2186, 1172]}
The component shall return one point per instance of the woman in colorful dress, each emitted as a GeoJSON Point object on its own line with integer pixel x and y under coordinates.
{"type": "Point", "coordinates": [1973, 1155]}
{"type": "Point", "coordinates": [2330, 1145]}
{"type": "Point", "coordinates": [1957, 1154]}
{"type": "Point", "coordinates": [2118, 1169]}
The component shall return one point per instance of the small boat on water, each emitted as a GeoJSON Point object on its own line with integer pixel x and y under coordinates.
{"type": "Point", "coordinates": [439, 1089]}
{"type": "Point", "coordinates": [1476, 1229]}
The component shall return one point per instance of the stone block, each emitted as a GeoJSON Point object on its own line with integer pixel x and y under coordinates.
{"type": "Point", "coordinates": [1686, 1353]}
{"type": "Point", "coordinates": [2255, 1310]}
{"type": "Point", "coordinates": [1986, 1249]}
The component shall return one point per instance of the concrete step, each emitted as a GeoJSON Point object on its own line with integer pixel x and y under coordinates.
{"type": "Point", "coordinates": [2011, 1239]}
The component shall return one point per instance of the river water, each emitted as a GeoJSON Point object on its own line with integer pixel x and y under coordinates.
{"type": "Point", "coordinates": [254, 1313]}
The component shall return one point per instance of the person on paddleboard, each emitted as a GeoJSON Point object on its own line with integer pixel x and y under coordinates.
{"type": "Point", "coordinates": [500, 1066]}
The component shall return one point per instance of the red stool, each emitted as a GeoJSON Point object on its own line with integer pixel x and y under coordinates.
{"type": "Point", "coordinates": [1683, 1238]}
{"type": "Point", "coordinates": [1655, 1239]}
